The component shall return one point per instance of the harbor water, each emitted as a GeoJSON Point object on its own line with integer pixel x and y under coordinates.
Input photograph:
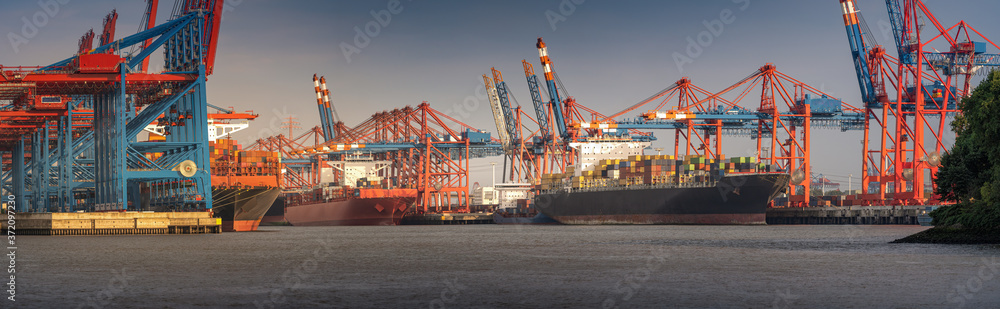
{"type": "Point", "coordinates": [503, 266]}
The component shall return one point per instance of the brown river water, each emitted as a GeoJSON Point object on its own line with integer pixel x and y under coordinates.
{"type": "Point", "coordinates": [495, 266]}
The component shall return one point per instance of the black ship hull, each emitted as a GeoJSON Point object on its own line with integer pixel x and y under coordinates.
{"type": "Point", "coordinates": [276, 214]}
{"type": "Point", "coordinates": [735, 199]}
{"type": "Point", "coordinates": [538, 218]}
{"type": "Point", "coordinates": [242, 209]}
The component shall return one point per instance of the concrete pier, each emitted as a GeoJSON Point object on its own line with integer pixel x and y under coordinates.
{"type": "Point", "coordinates": [846, 215]}
{"type": "Point", "coordinates": [115, 223]}
{"type": "Point", "coordinates": [448, 219]}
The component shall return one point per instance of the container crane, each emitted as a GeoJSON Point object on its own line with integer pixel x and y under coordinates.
{"type": "Point", "coordinates": [424, 149]}
{"type": "Point", "coordinates": [964, 57]}
{"type": "Point", "coordinates": [547, 148]}
{"type": "Point", "coordinates": [525, 164]}
{"type": "Point", "coordinates": [96, 102]}
{"type": "Point", "coordinates": [898, 163]}
{"type": "Point", "coordinates": [426, 152]}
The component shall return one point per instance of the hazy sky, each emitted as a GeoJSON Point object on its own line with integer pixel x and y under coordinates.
{"type": "Point", "coordinates": [609, 54]}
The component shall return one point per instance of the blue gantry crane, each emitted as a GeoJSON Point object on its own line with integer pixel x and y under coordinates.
{"type": "Point", "coordinates": [73, 124]}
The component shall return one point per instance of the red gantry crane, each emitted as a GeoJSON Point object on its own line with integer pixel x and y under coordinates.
{"type": "Point", "coordinates": [909, 98]}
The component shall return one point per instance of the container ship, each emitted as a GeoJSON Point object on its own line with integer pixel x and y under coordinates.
{"type": "Point", "coordinates": [354, 191]}
{"type": "Point", "coordinates": [614, 183]}
{"type": "Point", "coordinates": [244, 184]}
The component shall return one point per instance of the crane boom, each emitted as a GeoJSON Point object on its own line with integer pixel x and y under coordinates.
{"type": "Point", "coordinates": [498, 115]}
{"type": "Point", "coordinates": [323, 115]}
{"type": "Point", "coordinates": [536, 99]}
{"type": "Point", "coordinates": [550, 82]}
{"type": "Point", "coordinates": [150, 19]}
{"type": "Point", "coordinates": [86, 42]}
{"type": "Point", "coordinates": [331, 113]}
{"type": "Point", "coordinates": [899, 31]}
{"type": "Point", "coordinates": [108, 34]}
{"type": "Point", "coordinates": [503, 96]}
{"type": "Point", "coordinates": [858, 50]}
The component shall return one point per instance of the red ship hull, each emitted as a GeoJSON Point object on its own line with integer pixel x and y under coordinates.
{"type": "Point", "coordinates": [359, 207]}
{"type": "Point", "coordinates": [351, 211]}
{"type": "Point", "coordinates": [240, 225]}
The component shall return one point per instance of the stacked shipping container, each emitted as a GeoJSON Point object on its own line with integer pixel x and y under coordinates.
{"type": "Point", "coordinates": [654, 170]}
{"type": "Point", "coordinates": [250, 167]}
{"type": "Point", "coordinates": [228, 158]}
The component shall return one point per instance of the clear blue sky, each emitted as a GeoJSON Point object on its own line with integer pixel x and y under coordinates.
{"type": "Point", "coordinates": [609, 54]}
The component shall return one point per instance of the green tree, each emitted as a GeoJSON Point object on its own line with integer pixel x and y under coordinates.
{"type": "Point", "coordinates": [970, 173]}
{"type": "Point", "coordinates": [815, 192]}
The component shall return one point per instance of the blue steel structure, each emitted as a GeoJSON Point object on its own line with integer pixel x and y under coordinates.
{"type": "Point", "coordinates": [964, 57]}
{"type": "Point", "coordinates": [18, 174]}
{"type": "Point", "coordinates": [859, 51]}
{"type": "Point", "coordinates": [962, 53]}
{"type": "Point", "coordinates": [85, 150]}
{"type": "Point", "coordinates": [541, 114]}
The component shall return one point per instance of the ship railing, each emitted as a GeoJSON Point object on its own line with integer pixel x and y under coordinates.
{"type": "Point", "coordinates": [705, 184]}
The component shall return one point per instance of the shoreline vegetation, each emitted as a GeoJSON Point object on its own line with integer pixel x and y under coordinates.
{"type": "Point", "coordinates": [969, 174]}
{"type": "Point", "coordinates": [951, 235]}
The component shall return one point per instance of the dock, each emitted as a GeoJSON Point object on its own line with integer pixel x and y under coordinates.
{"type": "Point", "coordinates": [116, 223]}
{"type": "Point", "coordinates": [846, 215]}
{"type": "Point", "coordinates": [448, 219]}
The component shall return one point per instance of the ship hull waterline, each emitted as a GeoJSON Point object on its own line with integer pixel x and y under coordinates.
{"type": "Point", "coordinates": [539, 218]}
{"type": "Point", "coordinates": [350, 211]}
